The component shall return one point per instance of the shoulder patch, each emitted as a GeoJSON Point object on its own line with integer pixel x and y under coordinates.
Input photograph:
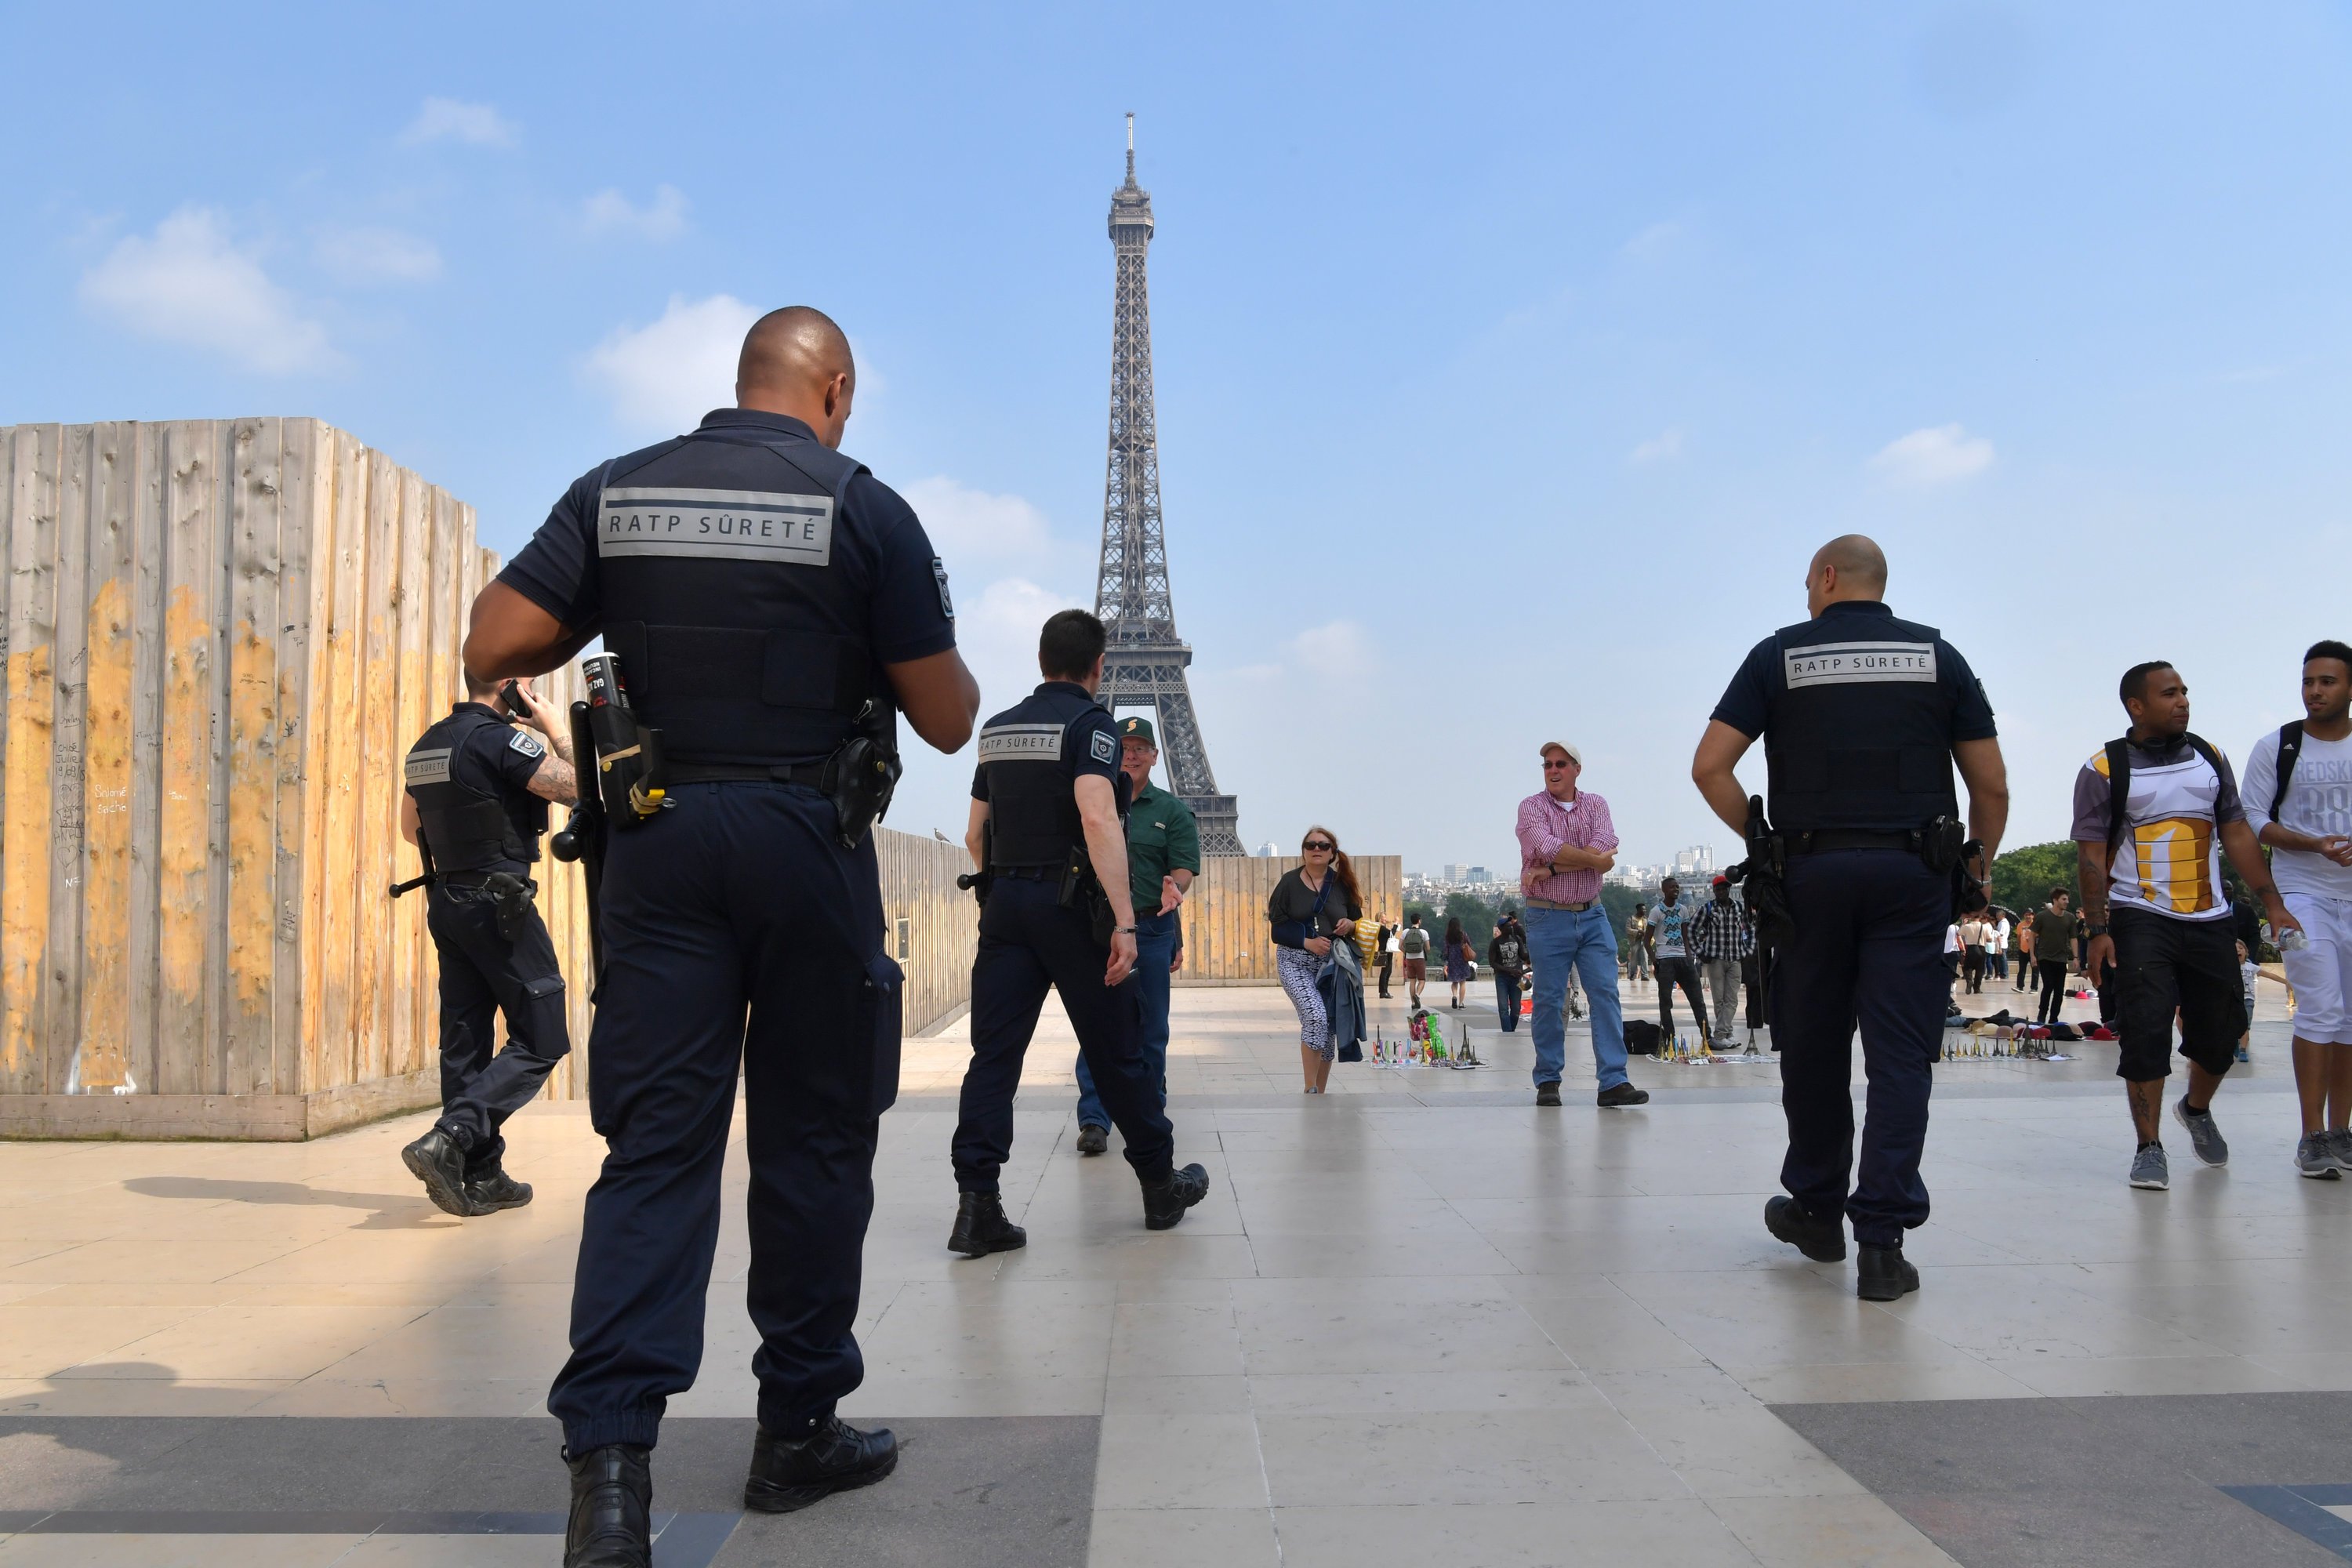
{"type": "Point", "coordinates": [1104, 745]}
{"type": "Point", "coordinates": [529, 747]}
{"type": "Point", "coordinates": [2098, 763]}
{"type": "Point", "coordinates": [940, 574]}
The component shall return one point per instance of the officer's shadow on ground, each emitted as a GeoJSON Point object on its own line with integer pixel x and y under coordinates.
{"type": "Point", "coordinates": [385, 1211]}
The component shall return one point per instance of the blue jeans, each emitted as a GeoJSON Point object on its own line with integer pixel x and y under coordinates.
{"type": "Point", "coordinates": [1155, 949]}
{"type": "Point", "coordinates": [1558, 939]}
{"type": "Point", "coordinates": [1506, 1002]}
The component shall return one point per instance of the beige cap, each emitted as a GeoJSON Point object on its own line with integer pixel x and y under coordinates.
{"type": "Point", "coordinates": [1573, 754]}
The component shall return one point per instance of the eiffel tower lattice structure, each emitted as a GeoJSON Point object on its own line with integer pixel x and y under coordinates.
{"type": "Point", "coordinates": [1144, 665]}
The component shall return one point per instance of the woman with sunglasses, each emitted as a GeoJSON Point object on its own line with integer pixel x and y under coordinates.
{"type": "Point", "coordinates": [1312, 904]}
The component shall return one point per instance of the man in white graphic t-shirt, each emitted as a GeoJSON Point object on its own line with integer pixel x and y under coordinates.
{"type": "Point", "coordinates": [2154, 813]}
{"type": "Point", "coordinates": [2308, 825]}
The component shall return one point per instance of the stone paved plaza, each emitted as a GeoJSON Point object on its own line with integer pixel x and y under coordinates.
{"type": "Point", "coordinates": [1417, 1321]}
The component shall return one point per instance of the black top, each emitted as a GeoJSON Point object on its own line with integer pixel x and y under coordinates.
{"type": "Point", "coordinates": [1293, 901]}
{"type": "Point", "coordinates": [876, 537]}
{"type": "Point", "coordinates": [1089, 742]}
{"type": "Point", "coordinates": [1031, 757]}
{"type": "Point", "coordinates": [487, 757]}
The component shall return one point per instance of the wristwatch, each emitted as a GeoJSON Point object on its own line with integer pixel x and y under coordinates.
{"type": "Point", "coordinates": [1122, 931]}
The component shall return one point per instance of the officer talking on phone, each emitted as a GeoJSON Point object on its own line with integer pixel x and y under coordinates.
{"type": "Point", "coordinates": [1863, 718]}
{"type": "Point", "coordinates": [769, 604]}
{"type": "Point", "coordinates": [1048, 840]}
{"type": "Point", "coordinates": [475, 807]}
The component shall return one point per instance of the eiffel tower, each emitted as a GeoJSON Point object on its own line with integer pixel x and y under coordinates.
{"type": "Point", "coordinates": [1144, 665]}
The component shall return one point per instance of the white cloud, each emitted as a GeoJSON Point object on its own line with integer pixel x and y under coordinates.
{"type": "Point", "coordinates": [665, 376]}
{"type": "Point", "coordinates": [1665, 443]}
{"type": "Point", "coordinates": [1338, 651]}
{"type": "Point", "coordinates": [446, 120]}
{"type": "Point", "coordinates": [610, 212]}
{"type": "Point", "coordinates": [1937, 455]}
{"type": "Point", "coordinates": [377, 256]}
{"type": "Point", "coordinates": [188, 283]}
{"type": "Point", "coordinates": [969, 524]}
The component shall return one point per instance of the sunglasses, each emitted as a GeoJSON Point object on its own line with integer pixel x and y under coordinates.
{"type": "Point", "coordinates": [1323, 844]}
{"type": "Point", "coordinates": [1558, 763]}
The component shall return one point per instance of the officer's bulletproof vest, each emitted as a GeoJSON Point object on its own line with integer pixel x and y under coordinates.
{"type": "Point", "coordinates": [469, 828]}
{"type": "Point", "coordinates": [1033, 810]}
{"type": "Point", "coordinates": [741, 630]}
{"type": "Point", "coordinates": [1861, 738]}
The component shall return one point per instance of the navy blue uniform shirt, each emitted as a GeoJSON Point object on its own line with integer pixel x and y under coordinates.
{"type": "Point", "coordinates": [876, 537]}
{"type": "Point", "coordinates": [1746, 702]}
{"type": "Point", "coordinates": [1090, 745]}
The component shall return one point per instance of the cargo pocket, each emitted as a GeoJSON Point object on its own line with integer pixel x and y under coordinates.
{"type": "Point", "coordinates": [881, 1023]}
{"type": "Point", "coordinates": [551, 1031]}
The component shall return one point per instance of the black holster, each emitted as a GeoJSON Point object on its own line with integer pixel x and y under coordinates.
{"type": "Point", "coordinates": [1762, 873]}
{"type": "Point", "coordinates": [1081, 888]}
{"type": "Point", "coordinates": [861, 776]}
{"type": "Point", "coordinates": [511, 899]}
{"type": "Point", "coordinates": [979, 882]}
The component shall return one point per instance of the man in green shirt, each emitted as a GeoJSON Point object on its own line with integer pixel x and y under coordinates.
{"type": "Point", "coordinates": [1163, 854]}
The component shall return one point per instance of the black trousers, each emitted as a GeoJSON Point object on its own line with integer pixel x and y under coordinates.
{"type": "Point", "coordinates": [2163, 964]}
{"type": "Point", "coordinates": [483, 973]}
{"type": "Point", "coordinates": [1751, 984]}
{"type": "Point", "coordinates": [2053, 991]}
{"type": "Point", "coordinates": [1972, 966]}
{"type": "Point", "coordinates": [1682, 971]}
{"type": "Point", "coordinates": [1029, 944]}
{"type": "Point", "coordinates": [1386, 961]}
{"type": "Point", "coordinates": [1868, 951]}
{"type": "Point", "coordinates": [736, 901]}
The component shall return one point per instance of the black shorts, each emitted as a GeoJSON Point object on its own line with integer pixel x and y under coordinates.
{"type": "Point", "coordinates": [2161, 964]}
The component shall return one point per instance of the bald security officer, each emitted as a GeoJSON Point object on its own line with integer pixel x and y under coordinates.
{"type": "Point", "coordinates": [1058, 915]}
{"type": "Point", "coordinates": [760, 590]}
{"type": "Point", "coordinates": [474, 806]}
{"type": "Point", "coordinates": [1864, 716]}
{"type": "Point", "coordinates": [1163, 856]}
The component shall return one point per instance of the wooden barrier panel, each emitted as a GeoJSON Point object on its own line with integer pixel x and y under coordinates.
{"type": "Point", "coordinates": [1226, 940]}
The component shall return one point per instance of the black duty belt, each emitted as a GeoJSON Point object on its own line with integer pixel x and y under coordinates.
{"type": "Point", "coordinates": [809, 773]}
{"type": "Point", "coordinates": [1026, 873]}
{"type": "Point", "coordinates": [476, 878]}
{"type": "Point", "coordinates": [1821, 840]}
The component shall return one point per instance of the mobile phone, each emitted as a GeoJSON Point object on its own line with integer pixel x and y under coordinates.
{"type": "Point", "coordinates": [511, 695]}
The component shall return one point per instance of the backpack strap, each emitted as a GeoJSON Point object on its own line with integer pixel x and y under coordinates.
{"type": "Point", "coordinates": [2290, 748]}
{"type": "Point", "coordinates": [2118, 790]}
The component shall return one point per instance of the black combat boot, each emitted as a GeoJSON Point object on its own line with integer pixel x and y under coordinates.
{"type": "Point", "coordinates": [1884, 1274]}
{"type": "Point", "coordinates": [791, 1473]}
{"type": "Point", "coordinates": [982, 1229]}
{"type": "Point", "coordinates": [1093, 1139]}
{"type": "Point", "coordinates": [612, 1508]}
{"type": "Point", "coordinates": [491, 1189]}
{"type": "Point", "coordinates": [1822, 1240]}
{"type": "Point", "coordinates": [438, 1160]}
{"type": "Point", "coordinates": [1164, 1202]}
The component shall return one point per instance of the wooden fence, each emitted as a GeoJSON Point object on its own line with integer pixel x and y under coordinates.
{"type": "Point", "coordinates": [220, 637]}
{"type": "Point", "coordinates": [1226, 941]}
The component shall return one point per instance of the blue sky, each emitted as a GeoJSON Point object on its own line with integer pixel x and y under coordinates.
{"type": "Point", "coordinates": [1512, 359]}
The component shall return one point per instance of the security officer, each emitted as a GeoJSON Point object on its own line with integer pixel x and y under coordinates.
{"type": "Point", "coordinates": [1863, 716]}
{"type": "Point", "coordinates": [1047, 836]}
{"type": "Point", "coordinates": [1163, 856]}
{"type": "Point", "coordinates": [760, 591]}
{"type": "Point", "coordinates": [475, 807]}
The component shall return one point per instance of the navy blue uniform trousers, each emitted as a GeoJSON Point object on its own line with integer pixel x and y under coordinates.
{"type": "Point", "coordinates": [736, 898]}
{"type": "Point", "coordinates": [1029, 944]}
{"type": "Point", "coordinates": [481, 973]}
{"type": "Point", "coordinates": [1868, 950]}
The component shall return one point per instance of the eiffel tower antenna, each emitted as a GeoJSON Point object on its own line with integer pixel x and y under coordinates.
{"type": "Point", "coordinates": [1144, 665]}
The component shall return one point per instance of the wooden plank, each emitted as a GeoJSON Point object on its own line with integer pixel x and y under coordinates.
{"type": "Point", "coordinates": [34, 454]}
{"type": "Point", "coordinates": [103, 1064]}
{"type": "Point", "coordinates": [305, 527]}
{"type": "Point", "coordinates": [415, 1043]}
{"type": "Point", "coordinates": [61, 1010]}
{"type": "Point", "coordinates": [247, 784]}
{"type": "Point", "coordinates": [132, 462]}
{"type": "Point", "coordinates": [373, 780]}
{"type": "Point", "coordinates": [336, 748]}
{"type": "Point", "coordinates": [186, 915]}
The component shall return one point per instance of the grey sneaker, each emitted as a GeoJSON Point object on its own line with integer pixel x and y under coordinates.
{"type": "Point", "coordinates": [2339, 1149]}
{"type": "Point", "coordinates": [2150, 1171]}
{"type": "Point", "coordinates": [2314, 1156]}
{"type": "Point", "coordinates": [2203, 1136]}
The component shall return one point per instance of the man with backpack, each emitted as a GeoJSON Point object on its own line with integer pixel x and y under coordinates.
{"type": "Point", "coordinates": [1412, 946]}
{"type": "Point", "coordinates": [2295, 802]}
{"type": "Point", "coordinates": [2155, 810]}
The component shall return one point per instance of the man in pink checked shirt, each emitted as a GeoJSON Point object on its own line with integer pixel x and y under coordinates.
{"type": "Point", "coordinates": [1565, 842]}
